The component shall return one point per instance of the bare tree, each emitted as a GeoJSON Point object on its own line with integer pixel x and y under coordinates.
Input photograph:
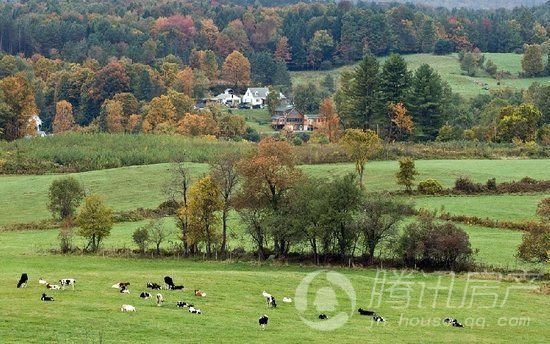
{"type": "Point", "coordinates": [176, 189]}
{"type": "Point", "coordinates": [224, 173]}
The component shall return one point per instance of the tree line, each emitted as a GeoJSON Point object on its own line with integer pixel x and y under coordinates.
{"type": "Point", "coordinates": [304, 35]}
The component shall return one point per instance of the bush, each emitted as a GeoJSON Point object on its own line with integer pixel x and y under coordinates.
{"type": "Point", "coordinates": [465, 184]}
{"type": "Point", "coordinates": [491, 184]}
{"type": "Point", "coordinates": [141, 238]}
{"type": "Point", "coordinates": [430, 187]}
{"type": "Point", "coordinates": [427, 244]}
{"type": "Point", "coordinates": [535, 245]}
{"type": "Point", "coordinates": [297, 141]}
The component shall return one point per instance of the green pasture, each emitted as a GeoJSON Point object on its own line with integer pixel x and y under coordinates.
{"type": "Point", "coordinates": [24, 198]}
{"type": "Point", "coordinates": [413, 303]}
{"type": "Point", "coordinates": [498, 207]}
{"type": "Point", "coordinates": [258, 119]}
{"type": "Point", "coordinates": [449, 68]}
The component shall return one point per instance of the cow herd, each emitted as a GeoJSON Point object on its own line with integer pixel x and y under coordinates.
{"type": "Point", "coordinates": [123, 287]}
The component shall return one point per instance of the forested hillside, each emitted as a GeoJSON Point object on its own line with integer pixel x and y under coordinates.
{"type": "Point", "coordinates": [139, 66]}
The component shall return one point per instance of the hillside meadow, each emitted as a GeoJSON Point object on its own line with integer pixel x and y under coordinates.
{"type": "Point", "coordinates": [24, 198]}
{"type": "Point", "coordinates": [448, 68]}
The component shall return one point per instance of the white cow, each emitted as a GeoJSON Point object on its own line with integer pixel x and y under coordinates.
{"type": "Point", "coordinates": [127, 308]}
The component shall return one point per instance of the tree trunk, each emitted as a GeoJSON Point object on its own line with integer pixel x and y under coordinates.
{"type": "Point", "coordinates": [224, 232]}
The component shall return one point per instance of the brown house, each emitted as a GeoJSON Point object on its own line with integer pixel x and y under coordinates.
{"type": "Point", "coordinates": [289, 117]}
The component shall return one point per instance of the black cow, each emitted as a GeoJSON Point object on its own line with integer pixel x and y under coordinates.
{"type": "Point", "coordinates": [176, 287]}
{"type": "Point", "coordinates": [263, 321]}
{"type": "Point", "coordinates": [46, 298]}
{"type": "Point", "coordinates": [323, 316]}
{"type": "Point", "coordinates": [169, 282]}
{"type": "Point", "coordinates": [23, 280]}
{"type": "Point", "coordinates": [365, 312]}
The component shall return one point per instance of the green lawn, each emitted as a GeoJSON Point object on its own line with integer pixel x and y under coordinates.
{"type": "Point", "coordinates": [24, 198]}
{"type": "Point", "coordinates": [499, 207]}
{"type": "Point", "coordinates": [449, 68]}
{"type": "Point", "coordinates": [412, 303]}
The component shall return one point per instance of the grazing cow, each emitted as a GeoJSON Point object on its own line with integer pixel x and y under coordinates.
{"type": "Point", "coordinates": [271, 302]}
{"type": "Point", "coordinates": [67, 281]}
{"type": "Point", "coordinates": [365, 312]}
{"type": "Point", "coordinates": [169, 282]}
{"type": "Point", "coordinates": [23, 280]}
{"type": "Point", "coordinates": [287, 299]}
{"type": "Point", "coordinates": [145, 295]}
{"type": "Point", "coordinates": [378, 318]}
{"type": "Point", "coordinates": [263, 321]}
{"type": "Point", "coordinates": [124, 290]}
{"type": "Point", "coordinates": [181, 304]}
{"type": "Point", "coordinates": [46, 298]}
{"type": "Point", "coordinates": [127, 308]}
{"type": "Point", "coordinates": [453, 322]}
{"type": "Point", "coordinates": [120, 285]}
{"type": "Point", "coordinates": [194, 310]}
{"type": "Point", "coordinates": [160, 300]}
{"type": "Point", "coordinates": [323, 316]}
{"type": "Point", "coordinates": [153, 286]}
{"type": "Point", "coordinates": [200, 293]}
{"type": "Point", "coordinates": [269, 299]}
{"type": "Point", "coordinates": [42, 281]}
{"type": "Point", "coordinates": [53, 286]}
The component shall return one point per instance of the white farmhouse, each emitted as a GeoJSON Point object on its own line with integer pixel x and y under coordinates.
{"type": "Point", "coordinates": [228, 98]}
{"type": "Point", "coordinates": [256, 96]}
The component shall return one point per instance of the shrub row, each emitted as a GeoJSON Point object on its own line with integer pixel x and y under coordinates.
{"type": "Point", "coordinates": [493, 223]}
{"type": "Point", "coordinates": [464, 185]}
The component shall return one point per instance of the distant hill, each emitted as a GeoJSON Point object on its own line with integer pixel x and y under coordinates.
{"type": "Point", "coordinates": [474, 4]}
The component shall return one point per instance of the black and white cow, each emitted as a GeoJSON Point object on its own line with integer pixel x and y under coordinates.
{"type": "Point", "coordinates": [46, 298]}
{"type": "Point", "coordinates": [67, 281]}
{"type": "Point", "coordinates": [323, 316]}
{"type": "Point", "coordinates": [154, 286]}
{"type": "Point", "coordinates": [378, 318]}
{"type": "Point", "coordinates": [453, 322]}
{"type": "Point", "coordinates": [145, 295]}
{"type": "Point", "coordinates": [23, 280]}
{"type": "Point", "coordinates": [124, 289]}
{"type": "Point", "coordinates": [263, 321]}
{"type": "Point", "coordinates": [269, 299]}
{"type": "Point", "coordinates": [194, 310]}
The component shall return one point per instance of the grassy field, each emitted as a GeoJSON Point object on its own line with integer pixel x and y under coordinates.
{"type": "Point", "coordinates": [24, 198]}
{"type": "Point", "coordinates": [413, 303]}
{"type": "Point", "coordinates": [449, 68]}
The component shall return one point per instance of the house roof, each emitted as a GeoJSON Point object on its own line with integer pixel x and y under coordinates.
{"type": "Point", "coordinates": [259, 92]}
{"type": "Point", "coordinates": [284, 108]}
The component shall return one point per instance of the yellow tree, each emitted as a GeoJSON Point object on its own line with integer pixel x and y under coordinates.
{"type": "Point", "coordinates": [401, 121]}
{"type": "Point", "coordinates": [95, 220]}
{"type": "Point", "coordinates": [64, 119]}
{"type": "Point", "coordinates": [197, 125]}
{"type": "Point", "coordinates": [161, 116]}
{"type": "Point", "coordinates": [204, 203]}
{"type": "Point", "coordinates": [236, 69]}
{"type": "Point", "coordinates": [17, 107]}
{"type": "Point", "coordinates": [360, 146]}
{"type": "Point", "coordinates": [185, 81]}
{"type": "Point", "coordinates": [330, 122]}
{"type": "Point", "coordinates": [114, 116]}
